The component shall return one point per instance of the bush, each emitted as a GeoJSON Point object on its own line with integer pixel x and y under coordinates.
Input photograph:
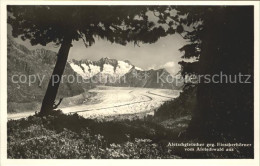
{"type": "Point", "coordinates": [71, 136]}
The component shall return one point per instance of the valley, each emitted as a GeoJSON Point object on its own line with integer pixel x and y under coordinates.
{"type": "Point", "coordinates": [113, 101]}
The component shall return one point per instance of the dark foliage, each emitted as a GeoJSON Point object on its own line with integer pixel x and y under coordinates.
{"type": "Point", "coordinates": [223, 41]}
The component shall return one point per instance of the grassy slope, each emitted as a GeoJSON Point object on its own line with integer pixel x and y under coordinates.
{"type": "Point", "coordinates": [72, 136]}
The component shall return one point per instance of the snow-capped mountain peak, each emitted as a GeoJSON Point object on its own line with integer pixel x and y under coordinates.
{"type": "Point", "coordinates": [87, 68]}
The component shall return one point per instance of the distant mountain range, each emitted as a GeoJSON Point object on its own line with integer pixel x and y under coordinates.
{"type": "Point", "coordinates": [113, 72]}
{"type": "Point", "coordinates": [87, 68]}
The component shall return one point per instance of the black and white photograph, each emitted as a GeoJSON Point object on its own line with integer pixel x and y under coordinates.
{"type": "Point", "coordinates": [130, 81]}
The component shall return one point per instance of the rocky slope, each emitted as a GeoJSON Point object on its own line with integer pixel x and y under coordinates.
{"type": "Point", "coordinates": [149, 79]}
{"type": "Point", "coordinates": [37, 65]}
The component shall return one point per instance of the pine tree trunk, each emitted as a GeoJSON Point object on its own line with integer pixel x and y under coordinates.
{"type": "Point", "coordinates": [53, 86]}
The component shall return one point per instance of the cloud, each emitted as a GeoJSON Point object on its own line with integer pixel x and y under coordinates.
{"type": "Point", "coordinates": [170, 66]}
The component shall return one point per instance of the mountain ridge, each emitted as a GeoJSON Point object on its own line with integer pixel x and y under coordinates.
{"type": "Point", "coordinates": [37, 64]}
{"type": "Point", "coordinates": [114, 72]}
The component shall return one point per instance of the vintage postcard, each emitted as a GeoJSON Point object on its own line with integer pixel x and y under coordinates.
{"type": "Point", "coordinates": [129, 80]}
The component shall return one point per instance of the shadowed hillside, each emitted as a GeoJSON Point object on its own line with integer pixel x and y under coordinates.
{"type": "Point", "coordinates": [37, 65]}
